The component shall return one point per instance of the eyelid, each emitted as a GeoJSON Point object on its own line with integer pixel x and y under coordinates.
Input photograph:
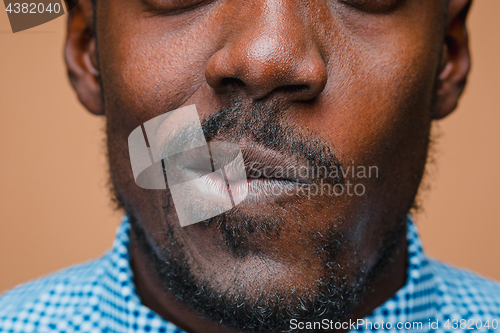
{"type": "Point", "coordinates": [171, 7]}
{"type": "Point", "coordinates": [374, 6]}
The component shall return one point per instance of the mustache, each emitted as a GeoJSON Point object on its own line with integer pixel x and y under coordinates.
{"type": "Point", "coordinates": [265, 124]}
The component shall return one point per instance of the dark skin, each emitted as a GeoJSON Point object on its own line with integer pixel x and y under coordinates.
{"type": "Point", "coordinates": [368, 77]}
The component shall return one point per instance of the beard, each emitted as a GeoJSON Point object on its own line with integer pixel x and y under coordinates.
{"type": "Point", "coordinates": [333, 295]}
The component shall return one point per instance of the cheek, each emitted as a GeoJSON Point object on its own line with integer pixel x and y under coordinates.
{"type": "Point", "coordinates": [381, 79]}
{"type": "Point", "coordinates": [392, 99]}
{"type": "Point", "coordinates": [146, 70]}
{"type": "Point", "coordinates": [148, 76]}
{"type": "Point", "coordinates": [152, 64]}
{"type": "Point", "coordinates": [379, 96]}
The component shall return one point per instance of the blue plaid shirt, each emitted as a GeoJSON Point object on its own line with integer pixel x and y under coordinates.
{"type": "Point", "coordinates": [100, 296]}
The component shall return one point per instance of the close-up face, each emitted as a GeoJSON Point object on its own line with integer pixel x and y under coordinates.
{"type": "Point", "coordinates": [318, 84]}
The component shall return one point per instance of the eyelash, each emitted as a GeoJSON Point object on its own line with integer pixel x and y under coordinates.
{"type": "Point", "coordinates": [373, 6]}
{"type": "Point", "coordinates": [172, 7]}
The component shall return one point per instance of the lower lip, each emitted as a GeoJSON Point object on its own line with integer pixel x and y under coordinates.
{"type": "Point", "coordinates": [248, 191]}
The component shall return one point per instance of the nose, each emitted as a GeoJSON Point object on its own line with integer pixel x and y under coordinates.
{"type": "Point", "coordinates": [272, 51]}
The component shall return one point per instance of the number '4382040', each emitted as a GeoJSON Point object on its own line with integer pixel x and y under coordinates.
{"type": "Point", "coordinates": [32, 8]}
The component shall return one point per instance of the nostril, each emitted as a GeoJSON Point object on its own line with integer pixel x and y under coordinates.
{"type": "Point", "coordinates": [293, 88]}
{"type": "Point", "coordinates": [230, 82]}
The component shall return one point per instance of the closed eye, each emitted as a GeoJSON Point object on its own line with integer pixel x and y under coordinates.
{"type": "Point", "coordinates": [172, 7]}
{"type": "Point", "coordinates": [374, 6]}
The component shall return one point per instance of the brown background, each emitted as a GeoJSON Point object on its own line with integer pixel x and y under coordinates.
{"type": "Point", "coordinates": [54, 203]}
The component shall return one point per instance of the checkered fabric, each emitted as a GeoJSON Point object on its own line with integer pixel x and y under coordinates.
{"type": "Point", "coordinates": [100, 296]}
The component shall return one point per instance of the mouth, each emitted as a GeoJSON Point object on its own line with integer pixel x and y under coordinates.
{"type": "Point", "coordinates": [248, 172]}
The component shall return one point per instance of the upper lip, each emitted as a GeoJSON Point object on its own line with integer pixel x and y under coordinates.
{"type": "Point", "coordinates": [259, 162]}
